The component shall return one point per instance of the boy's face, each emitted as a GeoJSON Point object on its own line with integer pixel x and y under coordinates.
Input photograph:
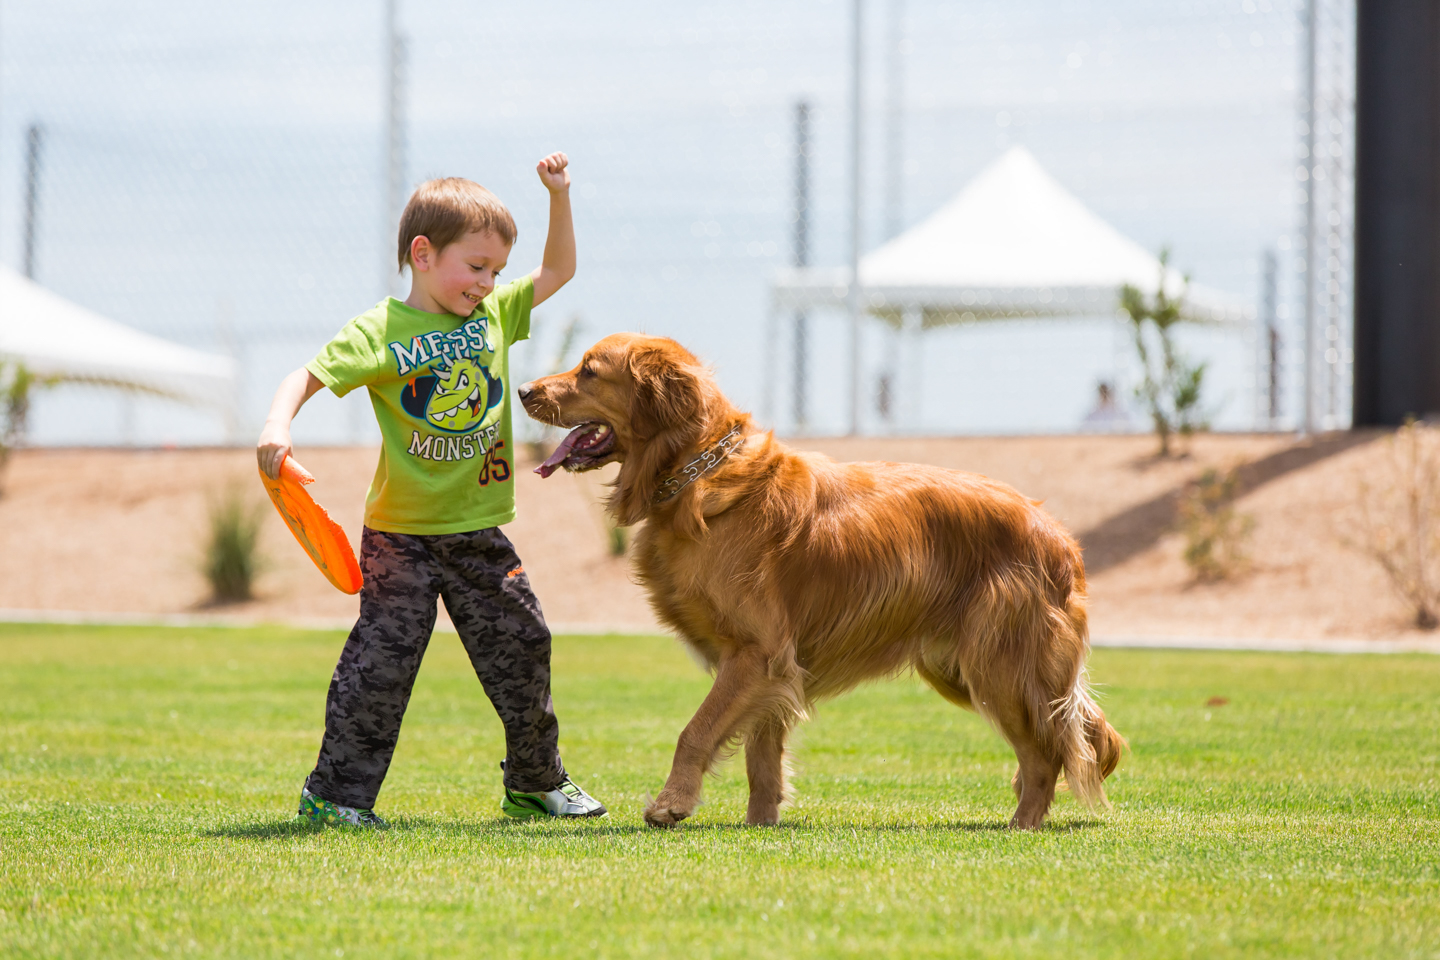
{"type": "Point", "coordinates": [462, 274]}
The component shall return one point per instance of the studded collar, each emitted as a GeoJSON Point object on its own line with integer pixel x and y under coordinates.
{"type": "Point", "coordinates": [708, 460]}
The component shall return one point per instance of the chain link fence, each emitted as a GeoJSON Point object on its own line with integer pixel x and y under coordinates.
{"type": "Point", "coordinates": [218, 176]}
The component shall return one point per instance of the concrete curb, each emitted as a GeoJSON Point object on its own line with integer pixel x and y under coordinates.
{"type": "Point", "coordinates": [1337, 645]}
{"type": "Point", "coordinates": [87, 618]}
{"type": "Point", "coordinates": [106, 619]}
{"type": "Point", "coordinates": [238, 621]}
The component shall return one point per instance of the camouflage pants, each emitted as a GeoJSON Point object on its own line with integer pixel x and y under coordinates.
{"type": "Point", "coordinates": [490, 602]}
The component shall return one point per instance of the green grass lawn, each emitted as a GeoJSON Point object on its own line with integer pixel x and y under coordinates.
{"type": "Point", "coordinates": [148, 781]}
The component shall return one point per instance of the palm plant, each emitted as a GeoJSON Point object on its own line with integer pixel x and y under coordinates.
{"type": "Point", "coordinates": [1170, 388]}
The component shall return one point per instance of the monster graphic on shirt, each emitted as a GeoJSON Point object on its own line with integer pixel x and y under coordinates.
{"type": "Point", "coordinates": [455, 396]}
{"type": "Point", "coordinates": [451, 388]}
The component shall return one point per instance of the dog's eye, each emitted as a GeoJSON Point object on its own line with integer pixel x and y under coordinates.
{"type": "Point", "coordinates": [587, 371]}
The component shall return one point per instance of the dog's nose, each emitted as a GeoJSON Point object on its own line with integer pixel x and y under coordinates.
{"type": "Point", "coordinates": [525, 391]}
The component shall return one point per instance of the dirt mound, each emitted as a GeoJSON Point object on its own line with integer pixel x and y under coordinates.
{"type": "Point", "coordinates": [120, 531]}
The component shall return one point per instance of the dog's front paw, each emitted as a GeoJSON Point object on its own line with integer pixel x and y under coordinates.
{"type": "Point", "coordinates": [665, 812]}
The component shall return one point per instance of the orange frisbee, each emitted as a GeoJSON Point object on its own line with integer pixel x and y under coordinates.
{"type": "Point", "coordinates": [321, 536]}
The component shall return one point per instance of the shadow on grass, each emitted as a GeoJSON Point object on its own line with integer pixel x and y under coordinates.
{"type": "Point", "coordinates": [294, 827]}
{"type": "Point", "coordinates": [270, 830]}
{"type": "Point", "coordinates": [964, 826]}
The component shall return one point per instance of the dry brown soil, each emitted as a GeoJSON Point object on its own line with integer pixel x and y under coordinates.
{"type": "Point", "coordinates": [110, 531]}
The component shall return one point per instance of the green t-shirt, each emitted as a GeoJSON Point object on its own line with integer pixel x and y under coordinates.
{"type": "Point", "coordinates": [438, 384]}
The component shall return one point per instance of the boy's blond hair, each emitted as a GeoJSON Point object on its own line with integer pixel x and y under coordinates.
{"type": "Point", "coordinates": [445, 210]}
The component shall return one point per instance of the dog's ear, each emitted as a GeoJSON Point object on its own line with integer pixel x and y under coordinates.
{"type": "Point", "coordinates": [667, 416]}
{"type": "Point", "coordinates": [667, 395]}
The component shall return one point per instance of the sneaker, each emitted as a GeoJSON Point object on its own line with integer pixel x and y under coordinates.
{"type": "Point", "coordinates": [566, 800]}
{"type": "Point", "coordinates": [318, 810]}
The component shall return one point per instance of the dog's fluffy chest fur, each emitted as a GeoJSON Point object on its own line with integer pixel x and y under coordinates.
{"type": "Point", "coordinates": [704, 595]}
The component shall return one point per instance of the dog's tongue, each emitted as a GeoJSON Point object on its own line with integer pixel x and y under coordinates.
{"type": "Point", "coordinates": [552, 463]}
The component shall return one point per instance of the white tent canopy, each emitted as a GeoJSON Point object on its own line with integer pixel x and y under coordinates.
{"type": "Point", "coordinates": [56, 338]}
{"type": "Point", "coordinates": [1013, 243]}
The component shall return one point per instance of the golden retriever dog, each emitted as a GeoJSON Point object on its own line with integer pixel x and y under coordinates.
{"type": "Point", "coordinates": [796, 578]}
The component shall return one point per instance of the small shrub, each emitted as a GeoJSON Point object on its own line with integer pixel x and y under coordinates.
{"type": "Point", "coordinates": [1398, 509]}
{"type": "Point", "coordinates": [1215, 533]}
{"type": "Point", "coordinates": [232, 557]}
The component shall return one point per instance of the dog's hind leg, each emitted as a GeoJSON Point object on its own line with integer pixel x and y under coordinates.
{"type": "Point", "coordinates": [765, 765]}
{"type": "Point", "coordinates": [1034, 781]}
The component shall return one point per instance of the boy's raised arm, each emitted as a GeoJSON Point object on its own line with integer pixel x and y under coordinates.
{"type": "Point", "coordinates": [558, 265]}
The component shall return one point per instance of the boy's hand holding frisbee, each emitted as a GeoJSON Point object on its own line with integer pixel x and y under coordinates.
{"type": "Point", "coordinates": [285, 481]}
{"type": "Point", "coordinates": [323, 539]}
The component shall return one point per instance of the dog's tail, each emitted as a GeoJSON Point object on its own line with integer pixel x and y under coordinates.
{"type": "Point", "coordinates": [1089, 747]}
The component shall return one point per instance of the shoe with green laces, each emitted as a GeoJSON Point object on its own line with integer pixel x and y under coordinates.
{"type": "Point", "coordinates": [566, 800]}
{"type": "Point", "coordinates": [319, 810]}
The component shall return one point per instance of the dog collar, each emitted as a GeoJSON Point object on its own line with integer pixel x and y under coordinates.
{"type": "Point", "coordinates": [701, 465]}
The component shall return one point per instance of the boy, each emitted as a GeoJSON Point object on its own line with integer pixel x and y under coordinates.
{"type": "Point", "coordinates": [436, 369]}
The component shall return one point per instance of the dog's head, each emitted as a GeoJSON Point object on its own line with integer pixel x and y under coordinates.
{"type": "Point", "coordinates": [637, 400]}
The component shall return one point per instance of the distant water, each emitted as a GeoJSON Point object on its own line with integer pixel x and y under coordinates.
{"type": "Point", "coordinates": [213, 175]}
